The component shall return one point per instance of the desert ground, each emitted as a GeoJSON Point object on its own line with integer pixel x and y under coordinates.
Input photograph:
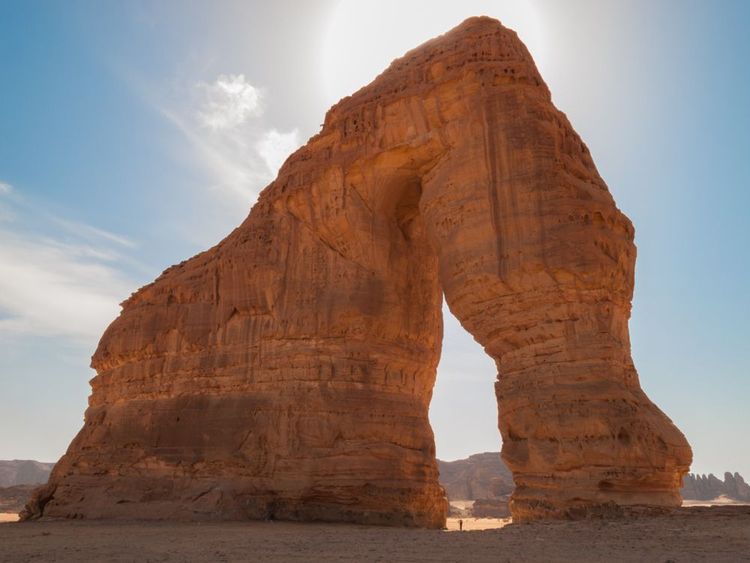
{"type": "Point", "coordinates": [688, 534]}
{"type": "Point", "coordinates": [722, 500]}
{"type": "Point", "coordinates": [471, 524]}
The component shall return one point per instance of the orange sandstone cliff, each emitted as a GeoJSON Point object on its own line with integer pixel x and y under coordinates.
{"type": "Point", "coordinates": [287, 372]}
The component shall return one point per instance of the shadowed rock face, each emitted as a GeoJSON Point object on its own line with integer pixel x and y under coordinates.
{"type": "Point", "coordinates": [287, 372]}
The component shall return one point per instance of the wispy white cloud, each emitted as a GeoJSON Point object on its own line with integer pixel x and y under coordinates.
{"type": "Point", "coordinates": [50, 289]}
{"type": "Point", "coordinates": [224, 122]}
{"type": "Point", "coordinates": [274, 147]}
{"type": "Point", "coordinates": [224, 155]}
{"type": "Point", "coordinates": [89, 232]}
{"type": "Point", "coordinates": [228, 102]}
{"type": "Point", "coordinates": [5, 212]}
{"type": "Point", "coordinates": [59, 277]}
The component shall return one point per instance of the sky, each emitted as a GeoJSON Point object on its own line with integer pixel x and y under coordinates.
{"type": "Point", "coordinates": [135, 134]}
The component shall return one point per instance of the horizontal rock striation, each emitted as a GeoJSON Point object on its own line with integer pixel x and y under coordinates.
{"type": "Point", "coordinates": [287, 372]}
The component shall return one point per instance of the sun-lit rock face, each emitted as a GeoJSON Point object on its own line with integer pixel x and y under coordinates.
{"type": "Point", "coordinates": [287, 372]}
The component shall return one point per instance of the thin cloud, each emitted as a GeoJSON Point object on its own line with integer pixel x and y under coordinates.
{"type": "Point", "coordinates": [61, 278]}
{"type": "Point", "coordinates": [89, 232]}
{"type": "Point", "coordinates": [275, 147]}
{"type": "Point", "coordinates": [225, 157]}
{"type": "Point", "coordinates": [49, 289]}
{"type": "Point", "coordinates": [17, 203]}
{"type": "Point", "coordinates": [228, 102]}
{"type": "Point", "coordinates": [222, 121]}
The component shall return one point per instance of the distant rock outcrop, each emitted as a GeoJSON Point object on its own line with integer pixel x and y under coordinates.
{"type": "Point", "coordinates": [24, 472]}
{"type": "Point", "coordinates": [708, 487]}
{"type": "Point", "coordinates": [480, 476]}
{"type": "Point", "coordinates": [483, 478]}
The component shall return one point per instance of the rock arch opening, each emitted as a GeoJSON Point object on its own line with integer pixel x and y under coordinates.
{"type": "Point", "coordinates": [463, 410]}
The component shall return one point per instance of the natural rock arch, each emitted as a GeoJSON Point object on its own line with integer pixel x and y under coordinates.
{"type": "Point", "coordinates": [287, 372]}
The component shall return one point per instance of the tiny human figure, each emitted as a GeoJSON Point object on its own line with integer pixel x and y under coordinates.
{"type": "Point", "coordinates": [460, 525]}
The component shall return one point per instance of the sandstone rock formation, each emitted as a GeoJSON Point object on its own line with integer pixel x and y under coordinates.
{"type": "Point", "coordinates": [480, 476]}
{"type": "Point", "coordinates": [287, 372]}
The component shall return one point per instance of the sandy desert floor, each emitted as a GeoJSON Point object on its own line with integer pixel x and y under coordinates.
{"type": "Point", "coordinates": [718, 501]}
{"type": "Point", "coordinates": [471, 524]}
{"type": "Point", "coordinates": [689, 534]}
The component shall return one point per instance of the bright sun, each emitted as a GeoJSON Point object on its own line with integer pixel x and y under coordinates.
{"type": "Point", "coordinates": [362, 38]}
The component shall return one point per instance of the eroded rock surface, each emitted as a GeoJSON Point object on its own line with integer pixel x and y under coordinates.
{"type": "Point", "coordinates": [480, 476]}
{"type": "Point", "coordinates": [287, 372]}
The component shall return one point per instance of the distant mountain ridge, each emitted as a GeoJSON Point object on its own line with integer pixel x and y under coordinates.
{"type": "Point", "coordinates": [485, 476]}
{"type": "Point", "coordinates": [24, 472]}
{"type": "Point", "coordinates": [702, 487]}
{"type": "Point", "coordinates": [480, 476]}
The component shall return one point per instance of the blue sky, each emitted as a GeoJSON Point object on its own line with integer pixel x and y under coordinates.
{"type": "Point", "coordinates": [135, 134]}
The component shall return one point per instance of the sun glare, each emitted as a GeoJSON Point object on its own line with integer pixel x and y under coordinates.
{"type": "Point", "coordinates": [362, 38]}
